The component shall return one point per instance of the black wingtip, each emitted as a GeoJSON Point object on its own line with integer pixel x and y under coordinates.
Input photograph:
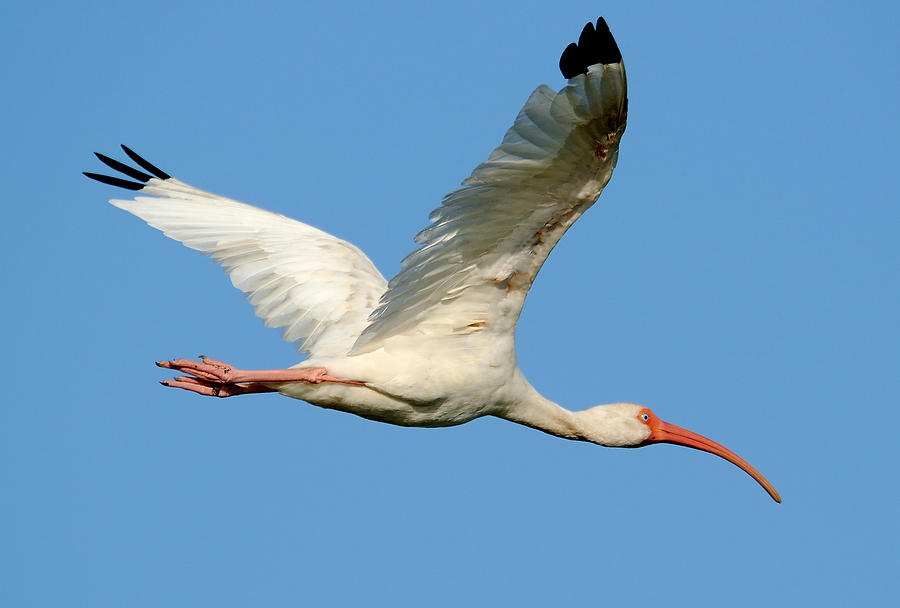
{"type": "Point", "coordinates": [115, 181]}
{"type": "Point", "coordinates": [595, 45]}
{"type": "Point", "coordinates": [122, 167]}
{"type": "Point", "coordinates": [128, 171]}
{"type": "Point", "coordinates": [144, 164]}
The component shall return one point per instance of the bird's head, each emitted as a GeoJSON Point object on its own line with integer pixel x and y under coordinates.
{"type": "Point", "coordinates": [629, 425]}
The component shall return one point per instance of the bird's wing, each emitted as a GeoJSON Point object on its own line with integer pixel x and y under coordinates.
{"type": "Point", "coordinates": [319, 288]}
{"type": "Point", "coordinates": [486, 242]}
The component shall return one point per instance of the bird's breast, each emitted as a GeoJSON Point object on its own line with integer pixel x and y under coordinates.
{"type": "Point", "coordinates": [408, 386]}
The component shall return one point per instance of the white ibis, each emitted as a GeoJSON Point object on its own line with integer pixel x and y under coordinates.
{"type": "Point", "coordinates": [434, 346]}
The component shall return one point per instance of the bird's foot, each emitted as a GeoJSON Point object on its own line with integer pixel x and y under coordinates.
{"type": "Point", "coordinates": [216, 389]}
{"type": "Point", "coordinates": [205, 369]}
{"type": "Point", "coordinates": [219, 379]}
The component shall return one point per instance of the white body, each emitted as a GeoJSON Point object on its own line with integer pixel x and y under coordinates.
{"type": "Point", "coordinates": [417, 387]}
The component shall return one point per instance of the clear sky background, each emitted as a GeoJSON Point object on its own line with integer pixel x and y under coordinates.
{"type": "Point", "coordinates": [739, 275]}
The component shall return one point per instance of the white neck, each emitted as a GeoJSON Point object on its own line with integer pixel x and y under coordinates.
{"type": "Point", "coordinates": [601, 424]}
{"type": "Point", "coordinates": [533, 409]}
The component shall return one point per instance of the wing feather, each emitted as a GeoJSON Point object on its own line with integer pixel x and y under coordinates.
{"type": "Point", "coordinates": [487, 241]}
{"type": "Point", "coordinates": [316, 287]}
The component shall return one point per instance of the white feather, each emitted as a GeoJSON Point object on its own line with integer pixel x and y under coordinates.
{"type": "Point", "coordinates": [319, 288]}
{"type": "Point", "coordinates": [486, 243]}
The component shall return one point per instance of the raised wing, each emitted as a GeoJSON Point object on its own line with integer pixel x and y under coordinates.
{"type": "Point", "coordinates": [488, 240]}
{"type": "Point", "coordinates": [319, 288]}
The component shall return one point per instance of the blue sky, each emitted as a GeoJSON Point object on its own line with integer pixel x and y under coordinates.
{"type": "Point", "coordinates": [739, 275]}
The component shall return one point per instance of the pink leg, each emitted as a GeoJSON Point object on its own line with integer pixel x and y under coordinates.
{"type": "Point", "coordinates": [215, 378]}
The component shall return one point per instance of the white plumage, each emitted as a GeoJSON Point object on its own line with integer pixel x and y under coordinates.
{"type": "Point", "coordinates": [319, 288]}
{"type": "Point", "coordinates": [486, 243]}
{"type": "Point", "coordinates": [435, 346]}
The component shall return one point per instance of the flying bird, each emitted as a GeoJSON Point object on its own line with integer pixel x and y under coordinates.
{"type": "Point", "coordinates": [435, 346]}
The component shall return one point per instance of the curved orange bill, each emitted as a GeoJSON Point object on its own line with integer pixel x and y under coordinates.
{"type": "Point", "coordinates": [669, 433]}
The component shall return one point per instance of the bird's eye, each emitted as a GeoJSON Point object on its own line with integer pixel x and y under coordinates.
{"type": "Point", "coordinates": [645, 417]}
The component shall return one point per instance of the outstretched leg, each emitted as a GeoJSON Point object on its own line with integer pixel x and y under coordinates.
{"type": "Point", "coordinates": [218, 379]}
